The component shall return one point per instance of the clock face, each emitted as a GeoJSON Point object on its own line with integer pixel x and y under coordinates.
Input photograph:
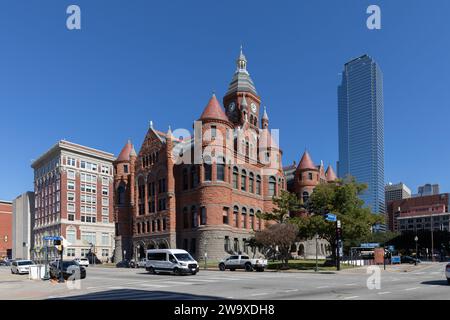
{"type": "Point", "coordinates": [253, 106]}
{"type": "Point", "coordinates": [231, 106]}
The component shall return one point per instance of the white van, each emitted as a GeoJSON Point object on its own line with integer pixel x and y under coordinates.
{"type": "Point", "coordinates": [171, 260]}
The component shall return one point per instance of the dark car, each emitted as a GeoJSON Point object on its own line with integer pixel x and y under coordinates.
{"type": "Point", "coordinates": [69, 269]}
{"type": "Point", "coordinates": [126, 264]}
{"type": "Point", "coordinates": [3, 263]}
{"type": "Point", "coordinates": [408, 259]}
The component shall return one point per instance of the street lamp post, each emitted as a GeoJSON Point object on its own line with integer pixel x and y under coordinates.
{"type": "Point", "coordinates": [416, 239]}
{"type": "Point", "coordinates": [432, 238]}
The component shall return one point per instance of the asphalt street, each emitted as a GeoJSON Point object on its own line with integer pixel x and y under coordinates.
{"type": "Point", "coordinates": [426, 281]}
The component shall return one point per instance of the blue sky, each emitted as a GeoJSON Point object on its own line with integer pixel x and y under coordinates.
{"type": "Point", "coordinates": [136, 61]}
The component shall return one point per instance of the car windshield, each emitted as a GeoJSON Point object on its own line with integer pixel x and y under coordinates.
{"type": "Point", "coordinates": [25, 263]}
{"type": "Point", "coordinates": [67, 264]}
{"type": "Point", "coordinates": [183, 257]}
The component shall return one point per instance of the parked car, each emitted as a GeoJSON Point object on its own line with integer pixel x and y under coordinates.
{"type": "Point", "coordinates": [21, 266]}
{"type": "Point", "coordinates": [175, 261]}
{"type": "Point", "coordinates": [3, 263]}
{"type": "Point", "coordinates": [84, 262]}
{"type": "Point", "coordinates": [141, 263]}
{"type": "Point", "coordinates": [242, 262]}
{"type": "Point", "coordinates": [447, 272]}
{"type": "Point", "coordinates": [123, 264]}
{"type": "Point", "coordinates": [408, 259]}
{"type": "Point", "coordinates": [69, 268]}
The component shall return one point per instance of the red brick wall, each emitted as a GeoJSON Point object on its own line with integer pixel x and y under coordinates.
{"type": "Point", "coordinates": [5, 228]}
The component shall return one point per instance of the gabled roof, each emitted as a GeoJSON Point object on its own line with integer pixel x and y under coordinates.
{"type": "Point", "coordinates": [306, 162]}
{"type": "Point", "coordinates": [213, 111]}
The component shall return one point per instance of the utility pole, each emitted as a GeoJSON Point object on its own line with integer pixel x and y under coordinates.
{"type": "Point", "coordinates": [432, 238]}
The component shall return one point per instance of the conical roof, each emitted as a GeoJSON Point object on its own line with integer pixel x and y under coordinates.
{"type": "Point", "coordinates": [127, 150]}
{"type": "Point", "coordinates": [241, 79]}
{"type": "Point", "coordinates": [330, 175]}
{"type": "Point", "coordinates": [213, 110]}
{"type": "Point", "coordinates": [306, 162]}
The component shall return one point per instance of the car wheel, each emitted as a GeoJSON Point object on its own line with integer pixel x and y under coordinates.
{"type": "Point", "coordinates": [151, 270]}
{"type": "Point", "coordinates": [222, 267]}
{"type": "Point", "coordinates": [12, 271]}
{"type": "Point", "coordinates": [176, 271]}
{"type": "Point", "coordinates": [248, 267]}
{"type": "Point", "coordinates": [448, 280]}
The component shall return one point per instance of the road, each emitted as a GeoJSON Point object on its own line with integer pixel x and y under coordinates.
{"type": "Point", "coordinates": [426, 281]}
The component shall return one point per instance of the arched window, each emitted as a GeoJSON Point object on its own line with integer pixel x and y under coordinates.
{"type": "Point", "coordinates": [235, 177]}
{"type": "Point", "coordinates": [310, 176]}
{"type": "Point", "coordinates": [272, 185]}
{"type": "Point", "coordinates": [305, 196]}
{"type": "Point", "coordinates": [251, 183]}
{"type": "Point", "coordinates": [185, 179]}
{"type": "Point", "coordinates": [221, 169]}
{"type": "Point", "coordinates": [194, 217]}
{"type": "Point", "coordinates": [138, 228]}
{"type": "Point", "coordinates": [247, 147]}
{"type": "Point", "coordinates": [185, 218]}
{"type": "Point", "coordinates": [121, 195]}
{"type": "Point", "coordinates": [252, 219]}
{"type": "Point", "coordinates": [244, 218]}
{"type": "Point", "coordinates": [258, 221]}
{"type": "Point", "coordinates": [258, 184]}
{"type": "Point", "coordinates": [148, 226]}
{"type": "Point", "coordinates": [208, 169]}
{"type": "Point", "coordinates": [158, 222]}
{"type": "Point", "coordinates": [235, 216]}
{"type": "Point", "coordinates": [164, 223]}
{"type": "Point", "coordinates": [243, 180]}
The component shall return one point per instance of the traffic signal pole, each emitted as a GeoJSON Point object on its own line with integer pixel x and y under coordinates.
{"type": "Point", "coordinates": [338, 245]}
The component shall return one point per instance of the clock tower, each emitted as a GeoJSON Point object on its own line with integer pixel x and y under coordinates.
{"type": "Point", "coordinates": [241, 101]}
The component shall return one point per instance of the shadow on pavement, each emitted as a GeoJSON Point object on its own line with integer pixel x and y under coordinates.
{"type": "Point", "coordinates": [436, 283]}
{"type": "Point", "coordinates": [131, 294]}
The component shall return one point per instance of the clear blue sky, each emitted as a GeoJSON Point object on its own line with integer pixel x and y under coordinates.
{"type": "Point", "coordinates": [135, 61]}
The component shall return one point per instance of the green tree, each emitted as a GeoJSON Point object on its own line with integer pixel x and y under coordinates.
{"type": "Point", "coordinates": [342, 199]}
{"type": "Point", "coordinates": [284, 204]}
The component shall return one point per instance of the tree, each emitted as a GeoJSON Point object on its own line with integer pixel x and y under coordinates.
{"type": "Point", "coordinates": [342, 199]}
{"type": "Point", "coordinates": [278, 237]}
{"type": "Point", "coordinates": [284, 204]}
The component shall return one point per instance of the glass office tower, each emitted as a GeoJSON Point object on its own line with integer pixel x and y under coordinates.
{"type": "Point", "coordinates": [361, 128]}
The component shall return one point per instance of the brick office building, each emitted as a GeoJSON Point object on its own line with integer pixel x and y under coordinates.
{"type": "Point", "coordinates": [419, 213]}
{"type": "Point", "coordinates": [73, 187]}
{"type": "Point", "coordinates": [5, 229]}
{"type": "Point", "coordinates": [200, 193]}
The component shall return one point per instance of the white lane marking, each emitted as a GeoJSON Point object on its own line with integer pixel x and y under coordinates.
{"type": "Point", "coordinates": [386, 292]}
{"type": "Point", "coordinates": [201, 280]}
{"type": "Point", "coordinates": [292, 290]}
{"type": "Point", "coordinates": [352, 297]}
{"type": "Point", "coordinates": [153, 285]}
{"type": "Point", "coordinates": [258, 294]}
{"type": "Point", "coordinates": [350, 284]}
{"type": "Point", "coordinates": [419, 273]}
{"type": "Point", "coordinates": [115, 288]}
{"type": "Point", "coordinates": [409, 289]}
{"type": "Point", "coordinates": [175, 282]}
{"type": "Point", "coordinates": [323, 287]}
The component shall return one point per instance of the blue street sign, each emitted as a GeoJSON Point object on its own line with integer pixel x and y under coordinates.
{"type": "Point", "coordinates": [370, 245]}
{"type": "Point", "coordinates": [330, 217]}
{"type": "Point", "coordinates": [391, 248]}
{"type": "Point", "coordinates": [51, 238]}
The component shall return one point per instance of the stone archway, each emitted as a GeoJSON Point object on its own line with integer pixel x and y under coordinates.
{"type": "Point", "coordinates": [163, 244]}
{"type": "Point", "coordinates": [151, 245]}
{"type": "Point", "coordinates": [301, 250]}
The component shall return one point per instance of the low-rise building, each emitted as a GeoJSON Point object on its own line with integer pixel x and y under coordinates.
{"type": "Point", "coordinates": [420, 213]}
{"type": "Point", "coordinates": [5, 229]}
{"type": "Point", "coordinates": [22, 226]}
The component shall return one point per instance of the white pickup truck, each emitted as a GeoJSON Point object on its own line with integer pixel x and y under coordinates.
{"type": "Point", "coordinates": [242, 262]}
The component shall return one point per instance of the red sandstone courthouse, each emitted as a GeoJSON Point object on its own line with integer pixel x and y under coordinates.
{"type": "Point", "coordinates": [203, 192]}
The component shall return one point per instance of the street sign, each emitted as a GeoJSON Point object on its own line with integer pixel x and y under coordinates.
{"type": "Point", "coordinates": [330, 217]}
{"type": "Point", "coordinates": [52, 238]}
{"type": "Point", "coordinates": [370, 245]}
{"type": "Point", "coordinates": [391, 248]}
